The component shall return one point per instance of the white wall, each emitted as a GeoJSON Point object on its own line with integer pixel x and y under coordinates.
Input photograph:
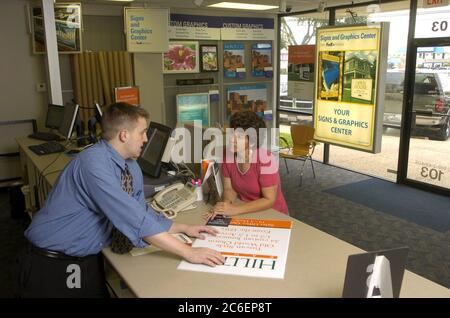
{"type": "Point", "coordinates": [20, 70]}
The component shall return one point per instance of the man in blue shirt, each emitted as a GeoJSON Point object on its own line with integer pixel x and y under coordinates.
{"type": "Point", "coordinates": [68, 234]}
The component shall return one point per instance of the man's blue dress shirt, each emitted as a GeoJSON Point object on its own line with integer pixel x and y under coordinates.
{"type": "Point", "coordinates": [87, 200]}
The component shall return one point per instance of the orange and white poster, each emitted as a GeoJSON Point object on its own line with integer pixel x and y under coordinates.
{"type": "Point", "coordinates": [129, 94]}
{"type": "Point", "coordinates": [251, 247]}
{"type": "Point", "coordinates": [301, 72]}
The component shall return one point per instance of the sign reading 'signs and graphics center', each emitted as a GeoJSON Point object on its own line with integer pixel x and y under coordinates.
{"type": "Point", "coordinates": [349, 86]}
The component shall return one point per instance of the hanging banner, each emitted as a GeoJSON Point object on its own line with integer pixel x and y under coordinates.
{"type": "Point", "coordinates": [237, 28]}
{"type": "Point", "coordinates": [194, 27]}
{"type": "Point", "coordinates": [147, 30]}
{"type": "Point", "coordinates": [301, 71]}
{"type": "Point", "coordinates": [349, 96]}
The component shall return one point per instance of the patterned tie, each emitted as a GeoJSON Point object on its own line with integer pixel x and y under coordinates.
{"type": "Point", "coordinates": [120, 243]}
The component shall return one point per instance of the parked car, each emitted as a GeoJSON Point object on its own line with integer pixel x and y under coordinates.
{"type": "Point", "coordinates": [431, 104]}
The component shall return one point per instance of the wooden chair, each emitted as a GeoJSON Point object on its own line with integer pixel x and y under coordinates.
{"type": "Point", "coordinates": [302, 149]}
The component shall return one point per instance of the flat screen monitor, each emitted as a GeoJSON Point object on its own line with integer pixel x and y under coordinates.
{"type": "Point", "coordinates": [191, 107]}
{"type": "Point", "coordinates": [68, 123]}
{"type": "Point", "coordinates": [55, 116]}
{"type": "Point", "coordinates": [98, 110]}
{"type": "Point", "coordinates": [150, 158]}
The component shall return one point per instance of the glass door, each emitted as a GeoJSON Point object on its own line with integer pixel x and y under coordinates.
{"type": "Point", "coordinates": [429, 144]}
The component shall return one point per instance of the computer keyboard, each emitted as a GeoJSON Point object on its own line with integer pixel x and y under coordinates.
{"type": "Point", "coordinates": [47, 136]}
{"type": "Point", "coordinates": [47, 148]}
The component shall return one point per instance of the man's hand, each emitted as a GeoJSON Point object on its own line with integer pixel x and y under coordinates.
{"type": "Point", "coordinates": [197, 230]}
{"type": "Point", "coordinates": [203, 255]}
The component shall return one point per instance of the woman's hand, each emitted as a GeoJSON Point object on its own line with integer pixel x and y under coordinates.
{"type": "Point", "coordinates": [197, 230]}
{"type": "Point", "coordinates": [223, 208]}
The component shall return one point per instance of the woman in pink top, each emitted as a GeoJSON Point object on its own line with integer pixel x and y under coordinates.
{"type": "Point", "coordinates": [250, 173]}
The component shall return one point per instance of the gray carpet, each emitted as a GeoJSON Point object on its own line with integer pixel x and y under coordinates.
{"type": "Point", "coordinates": [360, 225]}
{"type": "Point", "coordinates": [423, 208]}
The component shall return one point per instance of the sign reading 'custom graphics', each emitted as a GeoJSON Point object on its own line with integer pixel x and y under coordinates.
{"type": "Point", "coordinates": [147, 30]}
{"type": "Point", "coordinates": [351, 66]}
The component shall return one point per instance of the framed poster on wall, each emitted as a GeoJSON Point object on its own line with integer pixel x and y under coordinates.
{"type": "Point", "coordinates": [67, 24]}
{"type": "Point", "coordinates": [208, 58]}
{"type": "Point", "coordinates": [262, 60]}
{"type": "Point", "coordinates": [234, 60]}
{"type": "Point", "coordinates": [182, 57]}
{"type": "Point", "coordinates": [248, 97]}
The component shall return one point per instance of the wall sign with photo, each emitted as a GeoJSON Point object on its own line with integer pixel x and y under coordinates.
{"type": "Point", "coordinates": [67, 24]}
{"type": "Point", "coordinates": [234, 60]}
{"type": "Point", "coordinates": [262, 60]}
{"type": "Point", "coordinates": [248, 97]}
{"type": "Point", "coordinates": [208, 58]}
{"type": "Point", "coordinates": [182, 57]}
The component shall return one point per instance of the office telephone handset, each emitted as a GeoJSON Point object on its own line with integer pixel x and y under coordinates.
{"type": "Point", "coordinates": [173, 199]}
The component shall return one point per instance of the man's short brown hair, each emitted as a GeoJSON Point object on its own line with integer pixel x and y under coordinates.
{"type": "Point", "coordinates": [118, 116]}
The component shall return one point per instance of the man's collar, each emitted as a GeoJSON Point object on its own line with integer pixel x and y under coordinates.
{"type": "Point", "coordinates": [116, 157]}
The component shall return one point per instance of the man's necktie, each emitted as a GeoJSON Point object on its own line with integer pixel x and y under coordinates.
{"type": "Point", "coordinates": [120, 243]}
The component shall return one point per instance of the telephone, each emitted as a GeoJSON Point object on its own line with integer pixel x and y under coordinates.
{"type": "Point", "coordinates": [173, 199]}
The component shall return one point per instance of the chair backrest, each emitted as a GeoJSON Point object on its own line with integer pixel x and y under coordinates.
{"type": "Point", "coordinates": [301, 136]}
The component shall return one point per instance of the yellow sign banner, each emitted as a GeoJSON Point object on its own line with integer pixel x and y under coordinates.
{"type": "Point", "coordinates": [347, 79]}
{"type": "Point", "coordinates": [355, 38]}
{"type": "Point", "coordinates": [347, 123]}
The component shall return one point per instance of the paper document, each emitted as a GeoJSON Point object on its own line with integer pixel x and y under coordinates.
{"type": "Point", "coordinates": [251, 247]}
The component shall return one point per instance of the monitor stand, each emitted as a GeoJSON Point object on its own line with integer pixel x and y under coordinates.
{"type": "Point", "coordinates": [154, 185]}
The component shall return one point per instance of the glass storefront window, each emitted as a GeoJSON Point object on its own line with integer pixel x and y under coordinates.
{"type": "Point", "coordinates": [383, 164]}
{"type": "Point", "coordinates": [432, 22]}
{"type": "Point", "coordinates": [297, 30]}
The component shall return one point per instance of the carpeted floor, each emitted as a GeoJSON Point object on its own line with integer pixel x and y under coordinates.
{"type": "Point", "coordinates": [423, 208]}
{"type": "Point", "coordinates": [11, 237]}
{"type": "Point", "coordinates": [353, 222]}
{"type": "Point", "coordinates": [361, 225]}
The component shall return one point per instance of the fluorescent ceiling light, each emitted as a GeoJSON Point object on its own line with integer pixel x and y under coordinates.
{"type": "Point", "coordinates": [243, 6]}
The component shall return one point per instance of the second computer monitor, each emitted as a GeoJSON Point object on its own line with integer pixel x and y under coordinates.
{"type": "Point", "coordinates": [55, 116]}
{"type": "Point", "coordinates": [150, 158]}
{"type": "Point", "coordinates": [68, 123]}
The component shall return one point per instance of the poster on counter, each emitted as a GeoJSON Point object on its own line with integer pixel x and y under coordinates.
{"type": "Point", "coordinates": [349, 85]}
{"type": "Point", "coordinates": [234, 60]}
{"type": "Point", "coordinates": [262, 60]}
{"type": "Point", "coordinates": [146, 30]}
{"type": "Point", "coordinates": [251, 247]}
{"type": "Point", "coordinates": [301, 71]}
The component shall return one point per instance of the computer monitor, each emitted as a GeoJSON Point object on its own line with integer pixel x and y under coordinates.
{"type": "Point", "coordinates": [150, 158]}
{"type": "Point", "coordinates": [55, 116]}
{"type": "Point", "coordinates": [98, 111]}
{"type": "Point", "coordinates": [192, 107]}
{"type": "Point", "coordinates": [68, 123]}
